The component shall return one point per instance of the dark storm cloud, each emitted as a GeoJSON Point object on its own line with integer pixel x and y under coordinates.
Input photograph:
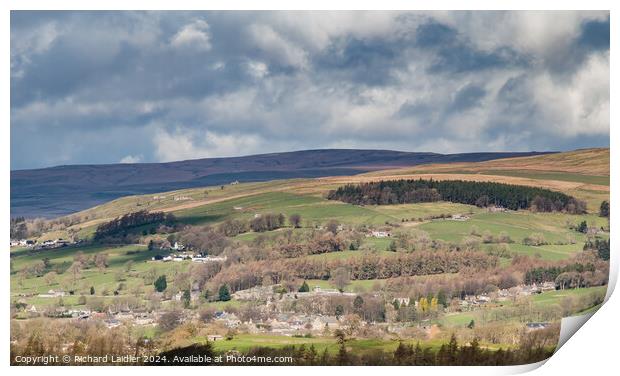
{"type": "Point", "coordinates": [367, 62]}
{"type": "Point", "coordinates": [455, 54]}
{"type": "Point", "coordinates": [101, 87]}
{"type": "Point", "coordinates": [468, 97]}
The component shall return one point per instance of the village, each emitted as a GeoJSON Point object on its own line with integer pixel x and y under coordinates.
{"type": "Point", "coordinates": [274, 317]}
{"type": "Point", "coordinates": [182, 254]}
{"type": "Point", "coordinates": [46, 244]}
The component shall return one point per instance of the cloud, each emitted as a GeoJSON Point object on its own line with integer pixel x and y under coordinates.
{"type": "Point", "coordinates": [182, 144]}
{"type": "Point", "coordinates": [163, 86]}
{"type": "Point", "coordinates": [131, 159]}
{"type": "Point", "coordinates": [194, 35]}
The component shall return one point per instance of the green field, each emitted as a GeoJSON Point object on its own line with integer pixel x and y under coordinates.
{"type": "Point", "coordinates": [424, 210]}
{"type": "Point", "coordinates": [545, 299]}
{"type": "Point", "coordinates": [312, 209]}
{"type": "Point", "coordinates": [243, 342]}
{"type": "Point", "coordinates": [354, 286]}
{"type": "Point", "coordinates": [519, 225]}
{"type": "Point", "coordinates": [109, 279]}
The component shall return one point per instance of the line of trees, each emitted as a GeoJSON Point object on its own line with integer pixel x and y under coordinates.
{"type": "Point", "coordinates": [267, 222]}
{"type": "Point", "coordinates": [482, 194]}
{"type": "Point", "coordinates": [244, 276]}
{"type": "Point", "coordinates": [600, 245]}
{"type": "Point", "coordinates": [550, 274]}
{"type": "Point", "coordinates": [261, 223]}
{"type": "Point", "coordinates": [121, 225]}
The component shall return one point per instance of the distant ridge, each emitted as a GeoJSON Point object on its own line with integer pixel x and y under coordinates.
{"type": "Point", "coordinates": [61, 190]}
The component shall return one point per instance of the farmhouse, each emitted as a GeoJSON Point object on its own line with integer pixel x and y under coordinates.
{"type": "Point", "coordinates": [496, 209]}
{"type": "Point", "coordinates": [380, 234]}
{"type": "Point", "coordinates": [178, 246]}
{"type": "Point", "coordinates": [459, 217]}
{"type": "Point", "coordinates": [53, 294]}
{"type": "Point", "coordinates": [532, 326]}
{"type": "Point", "coordinates": [322, 322]}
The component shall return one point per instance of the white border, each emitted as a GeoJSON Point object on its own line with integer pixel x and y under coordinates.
{"type": "Point", "coordinates": [593, 348]}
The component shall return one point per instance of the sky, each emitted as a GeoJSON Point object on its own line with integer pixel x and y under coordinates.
{"type": "Point", "coordinates": [128, 87]}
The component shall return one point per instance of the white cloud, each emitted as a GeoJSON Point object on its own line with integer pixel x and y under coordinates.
{"type": "Point", "coordinates": [131, 159]}
{"type": "Point", "coordinates": [299, 80]}
{"type": "Point", "coordinates": [579, 106]}
{"type": "Point", "coordinates": [257, 69]}
{"type": "Point", "coordinates": [277, 47]}
{"type": "Point", "coordinates": [182, 144]}
{"type": "Point", "coordinates": [194, 35]}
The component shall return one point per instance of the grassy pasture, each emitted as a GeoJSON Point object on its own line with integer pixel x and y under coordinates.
{"type": "Point", "coordinates": [518, 225]}
{"type": "Point", "coordinates": [424, 210]}
{"type": "Point", "coordinates": [354, 286]}
{"type": "Point", "coordinates": [244, 342]}
{"type": "Point", "coordinates": [312, 209]}
{"type": "Point", "coordinates": [118, 257]}
{"type": "Point", "coordinates": [545, 299]}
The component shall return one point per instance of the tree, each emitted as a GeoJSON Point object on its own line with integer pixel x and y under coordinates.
{"type": "Point", "coordinates": [160, 283]}
{"type": "Point", "coordinates": [304, 287]}
{"type": "Point", "coordinates": [602, 247]}
{"type": "Point", "coordinates": [339, 310]}
{"type": "Point", "coordinates": [351, 324]}
{"type": "Point", "coordinates": [332, 226]}
{"type": "Point", "coordinates": [482, 201]}
{"type": "Point", "coordinates": [224, 293]}
{"type": "Point", "coordinates": [50, 278]}
{"type": "Point", "coordinates": [169, 320]}
{"type": "Point", "coordinates": [441, 298]}
{"type": "Point", "coordinates": [295, 220]}
{"type": "Point", "coordinates": [392, 247]}
{"type": "Point", "coordinates": [101, 261]}
{"type": "Point", "coordinates": [92, 290]}
{"type": "Point", "coordinates": [434, 304]}
{"type": "Point", "coordinates": [471, 324]}
{"type": "Point", "coordinates": [187, 298]}
{"type": "Point", "coordinates": [583, 227]}
{"type": "Point", "coordinates": [358, 305]}
{"type": "Point", "coordinates": [342, 350]}
{"type": "Point", "coordinates": [341, 278]}
{"type": "Point", "coordinates": [76, 271]}
{"type": "Point", "coordinates": [604, 210]}
{"type": "Point", "coordinates": [424, 305]}
{"type": "Point", "coordinates": [401, 353]}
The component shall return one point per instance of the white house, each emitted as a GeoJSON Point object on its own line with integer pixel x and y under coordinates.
{"type": "Point", "coordinates": [380, 234]}
{"type": "Point", "coordinates": [178, 246]}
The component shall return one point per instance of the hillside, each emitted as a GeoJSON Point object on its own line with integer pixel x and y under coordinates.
{"type": "Point", "coordinates": [590, 162]}
{"type": "Point", "coordinates": [198, 203]}
{"type": "Point", "coordinates": [57, 191]}
{"type": "Point", "coordinates": [290, 244]}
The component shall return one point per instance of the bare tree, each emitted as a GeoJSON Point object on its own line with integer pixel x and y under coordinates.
{"type": "Point", "coordinates": [295, 220]}
{"type": "Point", "coordinates": [341, 278]}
